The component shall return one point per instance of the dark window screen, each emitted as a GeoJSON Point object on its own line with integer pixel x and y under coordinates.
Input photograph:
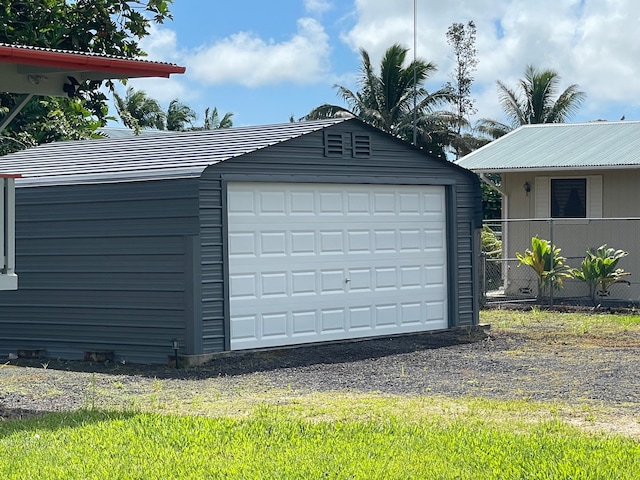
{"type": "Point", "coordinates": [569, 198]}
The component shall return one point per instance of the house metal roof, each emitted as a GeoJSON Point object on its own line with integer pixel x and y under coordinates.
{"type": "Point", "coordinates": [148, 157]}
{"type": "Point", "coordinates": [560, 146]}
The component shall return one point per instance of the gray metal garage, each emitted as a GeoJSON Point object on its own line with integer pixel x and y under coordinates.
{"type": "Point", "coordinates": [235, 239]}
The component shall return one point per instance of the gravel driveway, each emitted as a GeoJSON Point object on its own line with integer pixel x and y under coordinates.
{"type": "Point", "coordinates": [522, 363]}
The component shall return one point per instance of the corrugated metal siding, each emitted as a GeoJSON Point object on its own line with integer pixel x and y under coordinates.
{"type": "Point", "coordinates": [212, 260]}
{"type": "Point", "coordinates": [303, 159]}
{"type": "Point", "coordinates": [101, 267]}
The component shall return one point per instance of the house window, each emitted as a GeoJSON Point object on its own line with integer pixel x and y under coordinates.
{"type": "Point", "coordinates": [569, 198]}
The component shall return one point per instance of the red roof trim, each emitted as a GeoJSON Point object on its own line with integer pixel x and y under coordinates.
{"type": "Point", "coordinates": [83, 62]}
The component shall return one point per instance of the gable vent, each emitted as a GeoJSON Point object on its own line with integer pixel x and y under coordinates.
{"type": "Point", "coordinates": [333, 145]}
{"type": "Point", "coordinates": [361, 145]}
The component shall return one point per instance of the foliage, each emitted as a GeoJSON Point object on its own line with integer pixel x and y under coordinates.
{"type": "Point", "coordinates": [463, 38]}
{"type": "Point", "coordinates": [111, 27]}
{"type": "Point", "coordinates": [491, 244]}
{"type": "Point", "coordinates": [179, 116]}
{"type": "Point", "coordinates": [491, 202]}
{"type": "Point", "coordinates": [390, 99]}
{"type": "Point", "coordinates": [100, 26]}
{"type": "Point", "coordinates": [213, 121]}
{"type": "Point", "coordinates": [546, 261]}
{"type": "Point", "coordinates": [49, 119]}
{"type": "Point", "coordinates": [536, 101]}
{"type": "Point", "coordinates": [600, 269]}
{"type": "Point", "coordinates": [137, 110]}
{"type": "Point", "coordinates": [274, 442]}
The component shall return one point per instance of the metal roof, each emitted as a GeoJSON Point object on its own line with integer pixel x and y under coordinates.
{"type": "Point", "coordinates": [44, 71]}
{"type": "Point", "coordinates": [560, 146]}
{"type": "Point", "coordinates": [148, 157]}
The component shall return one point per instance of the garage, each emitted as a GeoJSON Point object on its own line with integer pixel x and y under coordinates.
{"type": "Point", "coordinates": [317, 262]}
{"type": "Point", "coordinates": [236, 239]}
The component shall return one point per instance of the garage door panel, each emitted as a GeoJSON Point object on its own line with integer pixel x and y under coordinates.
{"type": "Point", "coordinates": [360, 318]}
{"type": "Point", "coordinates": [323, 262]}
{"type": "Point", "coordinates": [304, 323]}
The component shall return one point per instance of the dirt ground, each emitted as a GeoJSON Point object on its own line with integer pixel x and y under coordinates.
{"type": "Point", "coordinates": [533, 363]}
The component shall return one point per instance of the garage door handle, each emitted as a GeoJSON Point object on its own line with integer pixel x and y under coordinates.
{"type": "Point", "coordinates": [347, 280]}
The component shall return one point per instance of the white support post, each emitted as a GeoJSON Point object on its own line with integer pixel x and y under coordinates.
{"type": "Point", "coordinates": [8, 277]}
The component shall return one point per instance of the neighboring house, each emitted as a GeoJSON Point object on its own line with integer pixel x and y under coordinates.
{"type": "Point", "coordinates": [577, 184]}
{"type": "Point", "coordinates": [238, 238]}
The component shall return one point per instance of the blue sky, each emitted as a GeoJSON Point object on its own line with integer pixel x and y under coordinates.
{"type": "Point", "coordinates": [267, 61]}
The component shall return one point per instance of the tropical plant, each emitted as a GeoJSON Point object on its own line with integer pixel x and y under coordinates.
{"type": "Point", "coordinates": [391, 98]}
{"type": "Point", "coordinates": [179, 115]}
{"type": "Point", "coordinates": [49, 119]}
{"type": "Point", "coordinates": [536, 101]}
{"type": "Point", "coordinates": [213, 121]}
{"type": "Point", "coordinates": [137, 110]}
{"type": "Point", "coordinates": [549, 266]}
{"type": "Point", "coordinates": [599, 270]}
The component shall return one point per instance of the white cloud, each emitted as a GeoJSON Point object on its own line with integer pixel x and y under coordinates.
{"type": "Point", "coordinates": [161, 45]}
{"type": "Point", "coordinates": [593, 44]}
{"type": "Point", "coordinates": [251, 61]}
{"type": "Point", "coordinates": [317, 7]}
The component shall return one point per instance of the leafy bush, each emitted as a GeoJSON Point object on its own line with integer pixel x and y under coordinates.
{"type": "Point", "coordinates": [545, 259]}
{"type": "Point", "coordinates": [600, 269]}
{"type": "Point", "coordinates": [491, 244]}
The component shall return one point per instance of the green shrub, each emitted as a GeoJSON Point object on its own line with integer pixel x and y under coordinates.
{"type": "Point", "coordinates": [600, 269]}
{"type": "Point", "coordinates": [546, 261]}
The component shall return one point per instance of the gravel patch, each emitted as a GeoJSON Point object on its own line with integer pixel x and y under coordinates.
{"type": "Point", "coordinates": [492, 364]}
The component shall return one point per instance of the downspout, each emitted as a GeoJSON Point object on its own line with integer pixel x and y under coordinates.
{"type": "Point", "coordinates": [505, 231]}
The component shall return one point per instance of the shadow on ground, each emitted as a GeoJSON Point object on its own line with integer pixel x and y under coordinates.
{"type": "Point", "coordinates": [244, 362]}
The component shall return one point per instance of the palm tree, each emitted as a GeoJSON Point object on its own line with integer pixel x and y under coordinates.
{"type": "Point", "coordinates": [213, 121]}
{"type": "Point", "coordinates": [390, 99]}
{"type": "Point", "coordinates": [179, 115]}
{"type": "Point", "coordinates": [537, 101]}
{"type": "Point", "coordinates": [137, 110]}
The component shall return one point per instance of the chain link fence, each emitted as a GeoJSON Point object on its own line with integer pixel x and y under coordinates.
{"type": "Point", "coordinates": [503, 279]}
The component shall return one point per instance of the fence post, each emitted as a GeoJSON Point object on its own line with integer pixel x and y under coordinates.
{"type": "Point", "coordinates": [483, 257]}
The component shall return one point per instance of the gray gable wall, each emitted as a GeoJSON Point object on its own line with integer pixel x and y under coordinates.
{"type": "Point", "coordinates": [128, 266]}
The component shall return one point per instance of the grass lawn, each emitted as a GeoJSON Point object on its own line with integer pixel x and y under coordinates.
{"type": "Point", "coordinates": [336, 434]}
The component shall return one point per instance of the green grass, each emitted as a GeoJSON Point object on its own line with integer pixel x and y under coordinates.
{"type": "Point", "coordinates": [597, 328]}
{"type": "Point", "coordinates": [274, 442]}
{"type": "Point", "coordinates": [254, 431]}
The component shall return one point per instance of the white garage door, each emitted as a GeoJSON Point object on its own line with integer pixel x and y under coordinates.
{"type": "Point", "coordinates": [318, 262]}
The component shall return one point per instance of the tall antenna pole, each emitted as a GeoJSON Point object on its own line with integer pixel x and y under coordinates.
{"type": "Point", "coordinates": [415, 77]}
